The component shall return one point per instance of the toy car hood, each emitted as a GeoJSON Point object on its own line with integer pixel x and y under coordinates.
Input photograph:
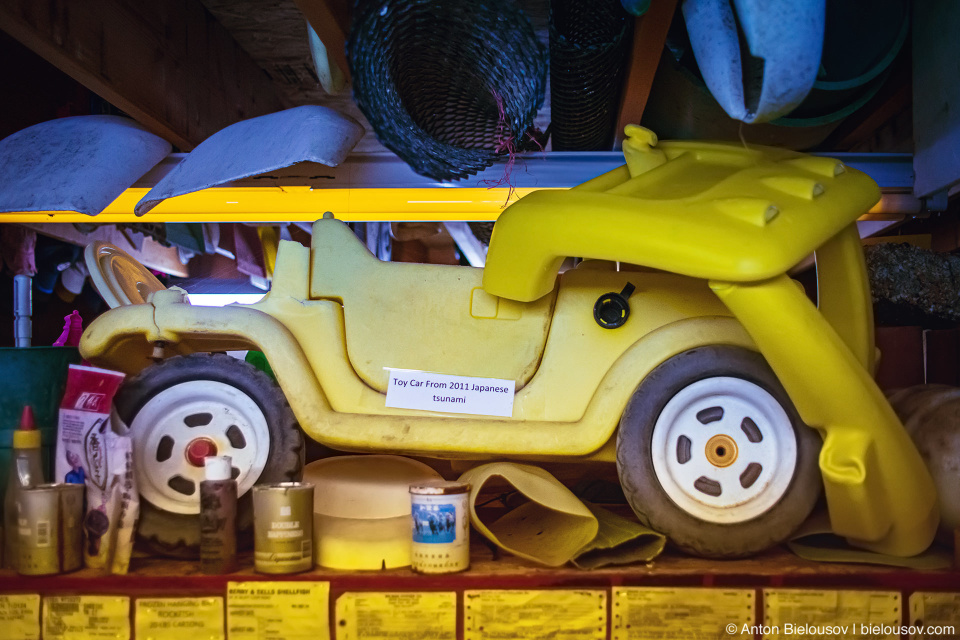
{"type": "Point", "coordinates": [705, 210]}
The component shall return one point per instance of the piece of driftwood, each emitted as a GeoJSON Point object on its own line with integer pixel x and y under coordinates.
{"type": "Point", "coordinates": [915, 280]}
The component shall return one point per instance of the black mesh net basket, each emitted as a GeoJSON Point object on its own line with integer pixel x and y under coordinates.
{"type": "Point", "coordinates": [448, 85]}
{"type": "Point", "coordinates": [589, 43]}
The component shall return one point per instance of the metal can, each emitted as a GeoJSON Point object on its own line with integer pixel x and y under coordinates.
{"type": "Point", "coordinates": [283, 527]}
{"type": "Point", "coordinates": [38, 530]}
{"type": "Point", "coordinates": [440, 527]}
{"type": "Point", "coordinates": [71, 526]}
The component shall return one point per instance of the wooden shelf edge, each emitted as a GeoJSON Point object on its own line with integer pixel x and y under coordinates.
{"type": "Point", "coordinates": [775, 569]}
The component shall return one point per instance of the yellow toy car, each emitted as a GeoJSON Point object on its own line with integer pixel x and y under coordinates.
{"type": "Point", "coordinates": [678, 347]}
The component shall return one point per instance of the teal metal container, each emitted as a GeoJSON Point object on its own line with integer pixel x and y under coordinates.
{"type": "Point", "coordinates": [34, 376]}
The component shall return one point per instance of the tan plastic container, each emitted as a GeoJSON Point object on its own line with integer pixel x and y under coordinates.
{"type": "Point", "coordinates": [361, 508]}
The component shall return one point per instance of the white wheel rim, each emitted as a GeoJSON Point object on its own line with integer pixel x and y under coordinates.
{"type": "Point", "coordinates": [733, 491]}
{"type": "Point", "coordinates": [162, 433]}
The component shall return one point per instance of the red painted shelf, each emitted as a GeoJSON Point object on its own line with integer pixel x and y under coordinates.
{"type": "Point", "coordinates": [777, 568]}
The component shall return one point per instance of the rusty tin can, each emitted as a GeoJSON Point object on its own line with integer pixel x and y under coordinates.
{"type": "Point", "coordinates": [50, 529]}
{"type": "Point", "coordinates": [38, 530]}
{"type": "Point", "coordinates": [283, 527]}
{"type": "Point", "coordinates": [71, 526]}
{"type": "Point", "coordinates": [440, 527]}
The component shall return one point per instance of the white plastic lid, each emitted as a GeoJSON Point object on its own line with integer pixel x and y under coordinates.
{"type": "Point", "coordinates": [365, 487]}
{"type": "Point", "coordinates": [439, 488]}
{"type": "Point", "coordinates": [218, 467]}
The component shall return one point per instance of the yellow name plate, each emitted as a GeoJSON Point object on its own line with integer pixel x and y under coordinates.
{"type": "Point", "coordinates": [86, 618]}
{"type": "Point", "coordinates": [20, 616]}
{"type": "Point", "coordinates": [278, 610]}
{"type": "Point", "coordinates": [689, 613]}
{"type": "Point", "coordinates": [934, 614]}
{"type": "Point", "coordinates": [547, 614]}
{"type": "Point", "coordinates": [397, 616]}
{"type": "Point", "coordinates": [179, 618]}
{"type": "Point", "coordinates": [793, 613]}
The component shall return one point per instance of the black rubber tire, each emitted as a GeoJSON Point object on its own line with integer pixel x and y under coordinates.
{"type": "Point", "coordinates": [178, 535]}
{"type": "Point", "coordinates": [651, 503]}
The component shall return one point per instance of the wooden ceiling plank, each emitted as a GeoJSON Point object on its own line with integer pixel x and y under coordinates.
{"type": "Point", "coordinates": [331, 20]}
{"type": "Point", "coordinates": [169, 65]}
{"type": "Point", "coordinates": [879, 113]}
{"type": "Point", "coordinates": [892, 99]}
{"type": "Point", "coordinates": [649, 36]}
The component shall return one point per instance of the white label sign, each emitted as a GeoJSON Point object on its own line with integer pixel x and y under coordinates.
{"type": "Point", "coordinates": [450, 394]}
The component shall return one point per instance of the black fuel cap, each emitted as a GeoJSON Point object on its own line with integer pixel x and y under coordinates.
{"type": "Point", "coordinates": [612, 309]}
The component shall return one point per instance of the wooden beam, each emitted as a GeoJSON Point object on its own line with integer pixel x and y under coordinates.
{"type": "Point", "coordinates": [649, 36]}
{"type": "Point", "coordinates": [168, 64]}
{"type": "Point", "coordinates": [879, 112]}
{"type": "Point", "coordinates": [895, 97]}
{"type": "Point", "coordinates": [34, 90]}
{"type": "Point", "coordinates": [331, 20]}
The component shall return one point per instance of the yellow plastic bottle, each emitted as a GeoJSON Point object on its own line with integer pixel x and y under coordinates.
{"type": "Point", "coordinates": [26, 470]}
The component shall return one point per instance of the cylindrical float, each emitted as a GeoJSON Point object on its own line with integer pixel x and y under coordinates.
{"type": "Point", "coordinates": [448, 85]}
{"type": "Point", "coordinates": [589, 46]}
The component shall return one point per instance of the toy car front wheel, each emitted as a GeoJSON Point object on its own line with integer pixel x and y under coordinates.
{"type": "Point", "coordinates": [712, 453]}
{"type": "Point", "coordinates": [185, 408]}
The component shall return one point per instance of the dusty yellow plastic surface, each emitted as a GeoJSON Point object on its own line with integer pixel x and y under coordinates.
{"type": "Point", "coordinates": [712, 210]}
{"type": "Point", "coordinates": [550, 528]}
{"type": "Point", "coordinates": [879, 492]}
{"type": "Point", "coordinates": [844, 295]}
{"type": "Point", "coordinates": [568, 410]}
{"type": "Point", "coordinates": [380, 331]}
{"type": "Point", "coordinates": [361, 515]}
{"type": "Point", "coordinates": [734, 217]}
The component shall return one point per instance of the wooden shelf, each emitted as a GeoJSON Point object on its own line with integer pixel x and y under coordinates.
{"type": "Point", "coordinates": [777, 568]}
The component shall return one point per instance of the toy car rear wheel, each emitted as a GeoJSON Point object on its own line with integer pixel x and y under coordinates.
{"type": "Point", "coordinates": [712, 453]}
{"type": "Point", "coordinates": [187, 407]}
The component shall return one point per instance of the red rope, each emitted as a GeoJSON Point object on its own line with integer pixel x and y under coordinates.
{"type": "Point", "coordinates": [506, 143]}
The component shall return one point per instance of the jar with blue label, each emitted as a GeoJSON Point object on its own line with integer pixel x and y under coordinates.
{"type": "Point", "coordinates": [440, 526]}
